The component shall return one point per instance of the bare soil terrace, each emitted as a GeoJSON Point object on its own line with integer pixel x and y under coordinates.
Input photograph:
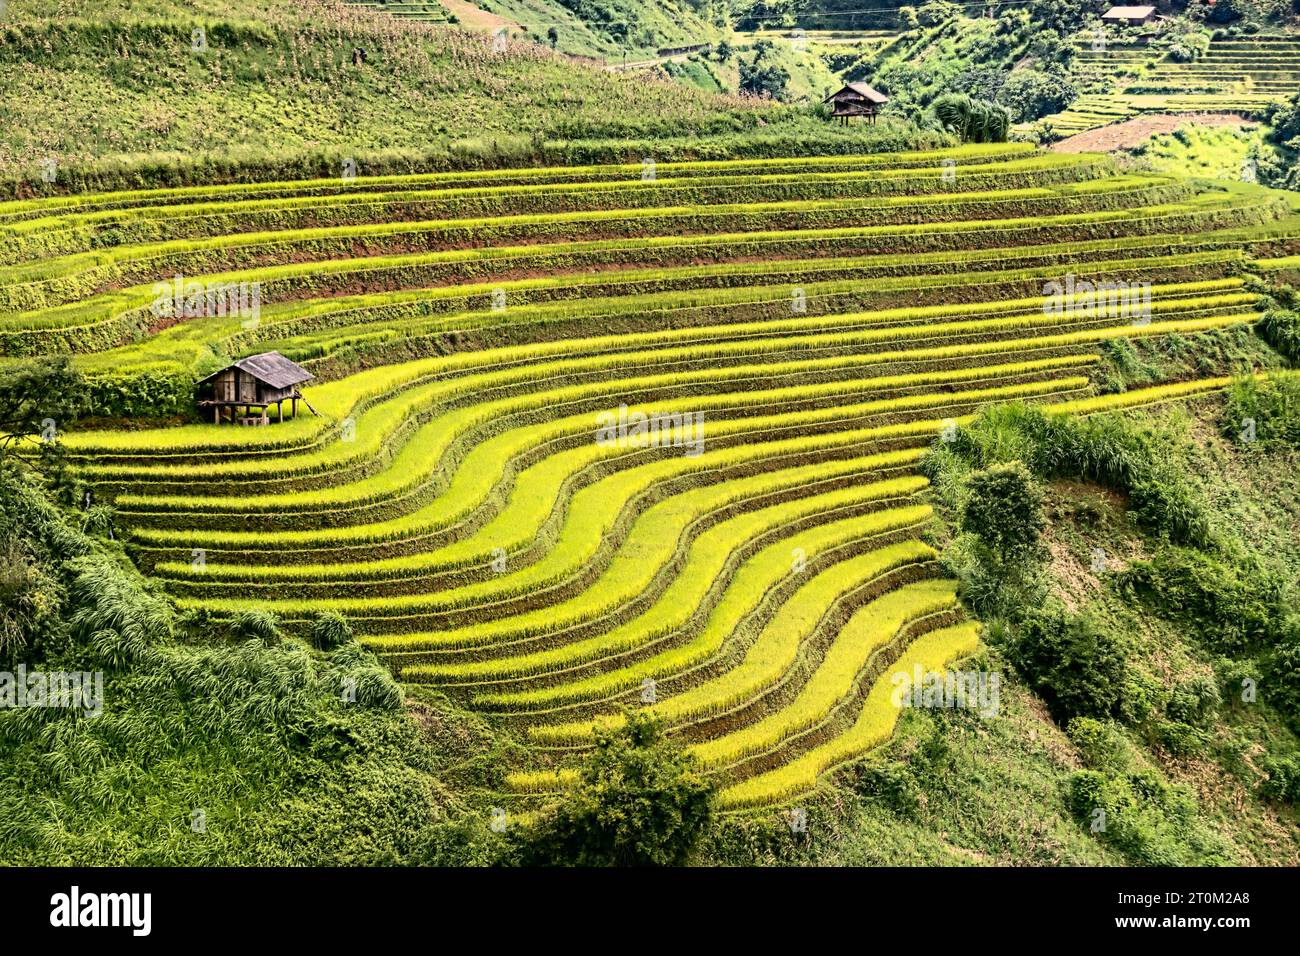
{"type": "Point", "coordinates": [1132, 132]}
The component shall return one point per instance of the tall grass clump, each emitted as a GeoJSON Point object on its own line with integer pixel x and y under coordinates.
{"type": "Point", "coordinates": [262, 744]}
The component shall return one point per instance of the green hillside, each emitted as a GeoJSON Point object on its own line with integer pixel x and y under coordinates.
{"type": "Point", "coordinates": [284, 83]}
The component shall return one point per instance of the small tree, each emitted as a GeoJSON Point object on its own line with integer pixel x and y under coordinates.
{"type": "Point", "coordinates": [553, 35]}
{"type": "Point", "coordinates": [758, 79]}
{"type": "Point", "coordinates": [1005, 510]}
{"type": "Point", "coordinates": [937, 12]}
{"type": "Point", "coordinates": [642, 802]}
{"type": "Point", "coordinates": [39, 396]}
{"type": "Point", "coordinates": [1074, 663]}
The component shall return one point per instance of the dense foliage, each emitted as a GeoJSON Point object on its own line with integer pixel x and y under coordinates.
{"type": "Point", "coordinates": [238, 751]}
{"type": "Point", "coordinates": [641, 802]}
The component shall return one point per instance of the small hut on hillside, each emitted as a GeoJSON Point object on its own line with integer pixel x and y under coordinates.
{"type": "Point", "coordinates": [1133, 16]}
{"type": "Point", "coordinates": [856, 99]}
{"type": "Point", "coordinates": [255, 382]}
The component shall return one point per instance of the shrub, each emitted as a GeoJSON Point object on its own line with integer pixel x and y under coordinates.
{"type": "Point", "coordinates": [1282, 783]}
{"type": "Point", "coordinates": [1142, 816]}
{"type": "Point", "coordinates": [1109, 449]}
{"type": "Point", "coordinates": [374, 687]}
{"type": "Point", "coordinates": [1268, 407]}
{"type": "Point", "coordinates": [1004, 509]}
{"type": "Point", "coordinates": [1195, 701]}
{"type": "Point", "coordinates": [890, 784]}
{"type": "Point", "coordinates": [114, 614]}
{"type": "Point", "coordinates": [1181, 739]}
{"type": "Point", "coordinates": [641, 801]}
{"type": "Point", "coordinates": [1233, 608]}
{"type": "Point", "coordinates": [992, 588]}
{"type": "Point", "coordinates": [1280, 328]}
{"type": "Point", "coordinates": [975, 121]}
{"type": "Point", "coordinates": [1282, 672]}
{"type": "Point", "coordinates": [1101, 745]}
{"type": "Point", "coordinates": [1074, 663]}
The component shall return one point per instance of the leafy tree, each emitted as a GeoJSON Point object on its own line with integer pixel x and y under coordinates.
{"type": "Point", "coordinates": [1005, 510]}
{"type": "Point", "coordinates": [1067, 17]}
{"type": "Point", "coordinates": [38, 397]}
{"type": "Point", "coordinates": [642, 801]}
{"type": "Point", "coordinates": [553, 36]}
{"type": "Point", "coordinates": [725, 51]}
{"type": "Point", "coordinates": [983, 81]}
{"type": "Point", "coordinates": [1031, 94]}
{"type": "Point", "coordinates": [759, 79]}
{"type": "Point", "coordinates": [1051, 48]}
{"type": "Point", "coordinates": [1223, 11]}
{"type": "Point", "coordinates": [1074, 663]}
{"type": "Point", "coordinates": [937, 12]}
{"type": "Point", "coordinates": [1285, 122]}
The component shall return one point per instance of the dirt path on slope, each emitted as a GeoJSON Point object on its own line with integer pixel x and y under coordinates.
{"type": "Point", "coordinates": [1135, 131]}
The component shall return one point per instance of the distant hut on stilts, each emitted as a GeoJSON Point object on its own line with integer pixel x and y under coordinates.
{"type": "Point", "coordinates": [856, 99]}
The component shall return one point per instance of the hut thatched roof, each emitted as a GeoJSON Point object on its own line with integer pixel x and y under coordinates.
{"type": "Point", "coordinates": [269, 368]}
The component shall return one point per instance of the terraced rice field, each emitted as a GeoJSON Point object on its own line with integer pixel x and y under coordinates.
{"type": "Point", "coordinates": [1237, 75]}
{"type": "Point", "coordinates": [752, 568]}
{"type": "Point", "coordinates": [422, 12]}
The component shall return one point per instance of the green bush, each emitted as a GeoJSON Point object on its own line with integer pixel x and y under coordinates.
{"type": "Point", "coordinates": [1109, 449]}
{"type": "Point", "coordinates": [1282, 783]}
{"type": "Point", "coordinates": [1004, 508]}
{"type": "Point", "coordinates": [1233, 608]}
{"type": "Point", "coordinates": [890, 784]}
{"type": "Point", "coordinates": [1180, 739]}
{"type": "Point", "coordinates": [1265, 410]}
{"type": "Point", "coordinates": [374, 687]}
{"type": "Point", "coordinates": [641, 801]}
{"type": "Point", "coordinates": [1195, 701]}
{"type": "Point", "coordinates": [1282, 671]}
{"type": "Point", "coordinates": [1074, 663]}
{"type": "Point", "coordinates": [145, 394]}
{"type": "Point", "coordinates": [1151, 822]}
{"type": "Point", "coordinates": [975, 121]}
{"type": "Point", "coordinates": [119, 620]}
{"type": "Point", "coordinates": [1101, 744]}
{"type": "Point", "coordinates": [1280, 328]}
